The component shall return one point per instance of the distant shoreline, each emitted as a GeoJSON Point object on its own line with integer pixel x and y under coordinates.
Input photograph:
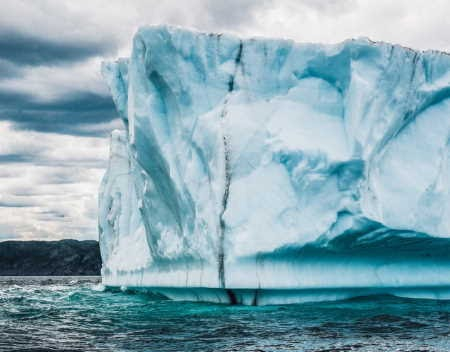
{"type": "Point", "coordinates": [49, 258]}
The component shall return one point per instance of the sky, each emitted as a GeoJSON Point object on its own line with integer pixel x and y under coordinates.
{"type": "Point", "coordinates": [56, 113]}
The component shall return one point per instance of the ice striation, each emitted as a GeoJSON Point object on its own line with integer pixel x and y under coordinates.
{"type": "Point", "coordinates": [264, 171]}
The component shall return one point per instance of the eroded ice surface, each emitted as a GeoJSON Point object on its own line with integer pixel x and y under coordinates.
{"type": "Point", "coordinates": [269, 164]}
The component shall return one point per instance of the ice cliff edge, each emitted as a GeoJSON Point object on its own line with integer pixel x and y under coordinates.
{"type": "Point", "coordinates": [255, 166]}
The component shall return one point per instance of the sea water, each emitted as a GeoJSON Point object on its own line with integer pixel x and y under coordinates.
{"type": "Point", "coordinates": [78, 314]}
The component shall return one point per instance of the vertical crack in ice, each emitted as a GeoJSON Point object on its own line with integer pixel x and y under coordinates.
{"type": "Point", "coordinates": [224, 207]}
{"type": "Point", "coordinates": [227, 160]}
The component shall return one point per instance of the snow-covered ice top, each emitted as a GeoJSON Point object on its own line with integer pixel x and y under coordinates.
{"type": "Point", "coordinates": [239, 155]}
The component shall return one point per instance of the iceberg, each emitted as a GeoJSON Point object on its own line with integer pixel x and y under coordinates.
{"type": "Point", "coordinates": [264, 171]}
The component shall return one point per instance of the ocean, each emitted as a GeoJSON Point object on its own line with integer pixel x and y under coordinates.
{"type": "Point", "coordinates": [78, 314]}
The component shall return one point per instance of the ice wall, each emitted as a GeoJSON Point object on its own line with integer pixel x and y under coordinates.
{"type": "Point", "coordinates": [273, 165]}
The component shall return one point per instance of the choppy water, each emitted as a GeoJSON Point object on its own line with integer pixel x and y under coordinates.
{"type": "Point", "coordinates": [74, 314]}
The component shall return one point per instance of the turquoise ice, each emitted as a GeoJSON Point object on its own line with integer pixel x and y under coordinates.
{"type": "Point", "coordinates": [268, 168]}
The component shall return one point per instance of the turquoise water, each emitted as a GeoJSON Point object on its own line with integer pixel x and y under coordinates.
{"type": "Point", "coordinates": [74, 314]}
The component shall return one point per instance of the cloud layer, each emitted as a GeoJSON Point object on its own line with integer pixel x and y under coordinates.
{"type": "Point", "coordinates": [56, 112]}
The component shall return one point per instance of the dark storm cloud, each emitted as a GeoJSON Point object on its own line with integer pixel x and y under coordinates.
{"type": "Point", "coordinates": [27, 49]}
{"type": "Point", "coordinates": [70, 114]}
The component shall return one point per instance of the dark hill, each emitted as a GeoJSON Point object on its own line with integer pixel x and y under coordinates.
{"type": "Point", "coordinates": [65, 257]}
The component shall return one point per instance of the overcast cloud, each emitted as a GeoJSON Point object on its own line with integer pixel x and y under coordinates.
{"type": "Point", "coordinates": [56, 112]}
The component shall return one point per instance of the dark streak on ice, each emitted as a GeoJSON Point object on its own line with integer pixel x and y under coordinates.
{"type": "Point", "coordinates": [232, 297]}
{"type": "Point", "coordinates": [237, 61]}
{"type": "Point", "coordinates": [255, 298]}
{"type": "Point", "coordinates": [221, 254]}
